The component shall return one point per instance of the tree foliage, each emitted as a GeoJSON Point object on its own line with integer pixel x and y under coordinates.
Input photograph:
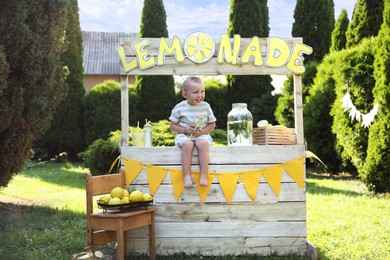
{"type": "Point", "coordinates": [156, 93]}
{"type": "Point", "coordinates": [376, 170]}
{"type": "Point", "coordinates": [31, 36]}
{"type": "Point", "coordinates": [249, 19]}
{"type": "Point", "coordinates": [284, 112]}
{"type": "Point", "coordinates": [366, 20]}
{"type": "Point", "coordinates": [314, 21]}
{"type": "Point", "coordinates": [216, 95]}
{"type": "Point", "coordinates": [66, 131]}
{"type": "Point", "coordinates": [354, 75]}
{"type": "Point", "coordinates": [318, 121]}
{"type": "Point", "coordinates": [339, 38]}
{"type": "Point", "coordinates": [102, 111]}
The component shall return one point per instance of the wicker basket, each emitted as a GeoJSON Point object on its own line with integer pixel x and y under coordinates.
{"type": "Point", "coordinates": [274, 136]}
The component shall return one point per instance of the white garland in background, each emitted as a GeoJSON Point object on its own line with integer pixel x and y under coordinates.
{"type": "Point", "coordinates": [366, 119]}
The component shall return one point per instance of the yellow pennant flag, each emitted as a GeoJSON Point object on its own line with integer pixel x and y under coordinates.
{"type": "Point", "coordinates": [273, 176]}
{"type": "Point", "coordinates": [251, 180]}
{"type": "Point", "coordinates": [203, 190]}
{"type": "Point", "coordinates": [228, 183]}
{"type": "Point", "coordinates": [155, 175]}
{"type": "Point", "coordinates": [177, 180]}
{"type": "Point", "coordinates": [296, 169]}
{"type": "Point", "coordinates": [132, 169]}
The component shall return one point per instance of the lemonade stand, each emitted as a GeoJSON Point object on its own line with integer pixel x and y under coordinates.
{"type": "Point", "coordinates": [256, 200]}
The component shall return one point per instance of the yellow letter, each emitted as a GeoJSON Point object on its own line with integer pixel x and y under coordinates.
{"type": "Point", "coordinates": [144, 60]}
{"type": "Point", "coordinates": [295, 64]}
{"type": "Point", "coordinates": [252, 51]}
{"type": "Point", "coordinates": [128, 66]}
{"type": "Point", "coordinates": [225, 49]}
{"type": "Point", "coordinates": [175, 49]}
{"type": "Point", "coordinates": [278, 52]}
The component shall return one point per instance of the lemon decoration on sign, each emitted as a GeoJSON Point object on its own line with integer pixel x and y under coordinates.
{"type": "Point", "coordinates": [199, 47]}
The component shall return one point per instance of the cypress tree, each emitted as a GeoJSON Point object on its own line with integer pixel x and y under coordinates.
{"type": "Point", "coordinates": [366, 20]}
{"type": "Point", "coordinates": [65, 133]}
{"type": "Point", "coordinates": [250, 18]}
{"type": "Point", "coordinates": [339, 38]}
{"type": "Point", "coordinates": [376, 169]}
{"type": "Point", "coordinates": [34, 86]}
{"type": "Point", "coordinates": [284, 112]}
{"type": "Point", "coordinates": [354, 75]}
{"type": "Point", "coordinates": [316, 112]}
{"type": "Point", "coordinates": [156, 93]}
{"type": "Point", "coordinates": [314, 21]}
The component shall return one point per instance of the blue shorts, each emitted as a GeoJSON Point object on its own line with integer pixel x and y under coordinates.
{"type": "Point", "coordinates": [181, 138]}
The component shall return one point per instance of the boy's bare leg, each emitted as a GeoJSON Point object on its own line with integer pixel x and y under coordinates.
{"type": "Point", "coordinates": [203, 153]}
{"type": "Point", "coordinates": [186, 160]}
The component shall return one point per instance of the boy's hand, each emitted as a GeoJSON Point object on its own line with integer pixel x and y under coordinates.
{"type": "Point", "coordinates": [189, 129]}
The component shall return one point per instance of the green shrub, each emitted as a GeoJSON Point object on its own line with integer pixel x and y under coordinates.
{"type": "Point", "coordinates": [354, 74]}
{"type": "Point", "coordinates": [102, 111]}
{"type": "Point", "coordinates": [317, 119]}
{"type": "Point", "coordinates": [101, 154]}
{"type": "Point", "coordinates": [376, 173]}
{"type": "Point", "coordinates": [216, 96]}
{"type": "Point", "coordinates": [219, 136]}
{"type": "Point", "coordinates": [162, 135]}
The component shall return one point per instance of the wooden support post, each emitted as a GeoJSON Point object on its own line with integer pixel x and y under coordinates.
{"type": "Point", "coordinates": [298, 109]}
{"type": "Point", "coordinates": [125, 110]}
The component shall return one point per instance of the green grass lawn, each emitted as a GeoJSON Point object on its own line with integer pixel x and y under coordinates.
{"type": "Point", "coordinates": [42, 216]}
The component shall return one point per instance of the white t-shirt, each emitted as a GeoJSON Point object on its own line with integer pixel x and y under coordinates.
{"type": "Point", "coordinates": [185, 114]}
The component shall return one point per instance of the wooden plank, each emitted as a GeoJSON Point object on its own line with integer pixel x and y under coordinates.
{"type": "Point", "coordinates": [254, 154]}
{"type": "Point", "coordinates": [224, 229]}
{"type": "Point", "coordinates": [211, 68]}
{"type": "Point", "coordinates": [298, 109]}
{"type": "Point", "coordinates": [288, 192]}
{"type": "Point", "coordinates": [124, 111]}
{"type": "Point", "coordinates": [253, 211]}
{"type": "Point", "coordinates": [222, 246]}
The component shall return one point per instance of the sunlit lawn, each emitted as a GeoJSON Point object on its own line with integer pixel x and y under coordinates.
{"type": "Point", "coordinates": [345, 220]}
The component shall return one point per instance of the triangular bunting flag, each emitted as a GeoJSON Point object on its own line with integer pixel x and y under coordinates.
{"type": "Point", "coordinates": [295, 168]}
{"type": "Point", "coordinates": [228, 183]}
{"type": "Point", "coordinates": [155, 175]}
{"type": "Point", "coordinates": [177, 182]}
{"type": "Point", "coordinates": [203, 190]}
{"type": "Point", "coordinates": [251, 179]}
{"type": "Point", "coordinates": [132, 169]}
{"type": "Point", "coordinates": [273, 176]}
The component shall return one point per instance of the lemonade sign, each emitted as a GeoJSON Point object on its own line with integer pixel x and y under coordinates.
{"type": "Point", "coordinates": [200, 48]}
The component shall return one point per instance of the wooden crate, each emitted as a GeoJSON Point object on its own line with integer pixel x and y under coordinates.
{"type": "Point", "coordinates": [274, 136]}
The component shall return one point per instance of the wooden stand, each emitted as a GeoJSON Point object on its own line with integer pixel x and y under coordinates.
{"type": "Point", "coordinates": [268, 224]}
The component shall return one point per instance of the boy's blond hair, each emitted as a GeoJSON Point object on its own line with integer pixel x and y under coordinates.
{"type": "Point", "coordinates": [187, 81]}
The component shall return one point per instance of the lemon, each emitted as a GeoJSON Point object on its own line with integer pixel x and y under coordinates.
{"type": "Point", "coordinates": [104, 199]}
{"type": "Point", "coordinates": [136, 196]}
{"type": "Point", "coordinates": [117, 193]}
{"type": "Point", "coordinates": [147, 197]}
{"type": "Point", "coordinates": [125, 193]}
{"type": "Point", "coordinates": [114, 201]}
{"type": "Point", "coordinates": [125, 200]}
{"type": "Point", "coordinates": [262, 123]}
{"type": "Point", "coordinates": [199, 47]}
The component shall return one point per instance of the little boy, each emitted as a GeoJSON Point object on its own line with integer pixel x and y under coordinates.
{"type": "Point", "coordinates": [192, 120]}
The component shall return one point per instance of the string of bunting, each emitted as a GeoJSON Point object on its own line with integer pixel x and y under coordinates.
{"type": "Point", "coordinates": [227, 180]}
{"type": "Point", "coordinates": [355, 114]}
